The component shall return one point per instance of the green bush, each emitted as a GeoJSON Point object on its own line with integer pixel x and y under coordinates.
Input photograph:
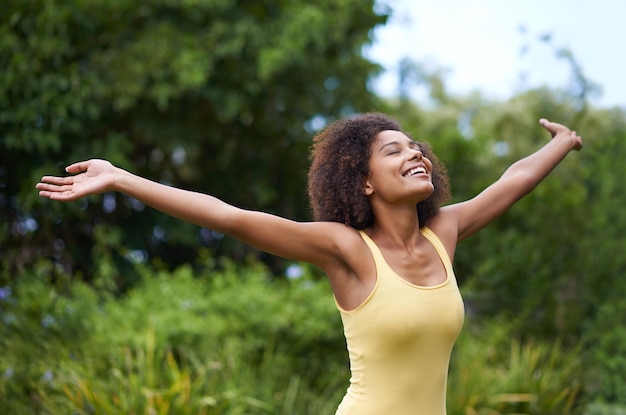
{"type": "Point", "coordinates": [42, 325]}
{"type": "Point", "coordinates": [149, 379]}
{"type": "Point", "coordinates": [494, 373]}
{"type": "Point", "coordinates": [605, 409]}
{"type": "Point", "coordinates": [232, 341]}
{"type": "Point", "coordinates": [605, 341]}
{"type": "Point", "coordinates": [235, 339]}
{"type": "Point", "coordinates": [243, 304]}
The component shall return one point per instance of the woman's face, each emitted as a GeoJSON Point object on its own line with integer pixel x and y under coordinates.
{"type": "Point", "coordinates": [398, 170]}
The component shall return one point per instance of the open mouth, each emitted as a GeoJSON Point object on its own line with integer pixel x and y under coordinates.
{"type": "Point", "coordinates": [414, 171]}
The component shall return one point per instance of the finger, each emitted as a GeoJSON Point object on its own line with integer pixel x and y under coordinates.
{"type": "Point", "coordinates": [57, 180]}
{"type": "Point", "coordinates": [553, 127]}
{"type": "Point", "coordinates": [548, 126]}
{"type": "Point", "coordinates": [50, 194]}
{"type": "Point", "coordinates": [579, 143]}
{"type": "Point", "coordinates": [53, 187]}
{"type": "Point", "coordinates": [77, 167]}
{"type": "Point", "coordinates": [63, 196]}
{"type": "Point", "coordinates": [55, 192]}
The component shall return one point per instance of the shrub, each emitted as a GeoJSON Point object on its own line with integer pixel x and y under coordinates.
{"type": "Point", "coordinates": [234, 340]}
{"type": "Point", "coordinates": [229, 341]}
{"type": "Point", "coordinates": [494, 373]}
{"type": "Point", "coordinates": [605, 357]}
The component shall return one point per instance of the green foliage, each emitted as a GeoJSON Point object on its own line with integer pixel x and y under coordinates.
{"type": "Point", "coordinates": [605, 409]}
{"type": "Point", "coordinates": [232, 341]}
{"type": "Point", "coordinates": [146, 379]}
{"type": "Point", "coordinates": [237, 340]}
{"type": "Point", "coordinates": [495, 373]}
{"type": "Point", "coordinates": [548, 257]}
{"type": "Point", "coordinates": [605, 339]}
{"type": "Point", "coordinates": [42, 325]}
{"type": "Point", "coordinates": [244, 303]}
{"type": "Point", "coordinates": [211, 95]}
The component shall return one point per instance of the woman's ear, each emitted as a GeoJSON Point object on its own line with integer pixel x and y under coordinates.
{"type": "Point", "coordinates": [368, 190]}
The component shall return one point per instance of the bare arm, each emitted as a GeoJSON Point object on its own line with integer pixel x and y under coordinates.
{"type": "Point", "coordinates": [518, 180]}
{"type": "Point", "coordinates": [314, 242]}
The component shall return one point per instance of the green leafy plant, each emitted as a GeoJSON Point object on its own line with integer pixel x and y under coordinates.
{"type": "Point", "coordinates": [234, 340]}
{"type": "Point", "coordinates": [493, 373]}
{"type": "Point", "coordinates": [605, 353]}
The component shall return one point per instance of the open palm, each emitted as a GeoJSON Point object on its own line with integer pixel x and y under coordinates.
{"type": "Point", "coordinates": [91, 177]}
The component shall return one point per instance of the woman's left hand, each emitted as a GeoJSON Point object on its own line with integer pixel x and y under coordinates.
{"type": "Point", "coordinates": [559, 130]}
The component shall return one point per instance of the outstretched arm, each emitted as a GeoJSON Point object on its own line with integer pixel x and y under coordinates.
{"type": "Point", "coordinates": [312, 242]}
{"type": "Point", "coordinates": [518, 180]}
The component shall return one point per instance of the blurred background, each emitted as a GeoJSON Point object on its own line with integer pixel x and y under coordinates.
{"type": "Point", "coordinates": [108, 306]}
{"type": "Point", "coordinates": [504, 48]}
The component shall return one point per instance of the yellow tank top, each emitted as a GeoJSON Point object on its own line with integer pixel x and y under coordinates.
{"type": "Point", "coordinates": [399, 342]}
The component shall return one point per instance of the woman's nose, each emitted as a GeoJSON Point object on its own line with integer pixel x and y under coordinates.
{"type": "Point", "coordinates": [416, 154]}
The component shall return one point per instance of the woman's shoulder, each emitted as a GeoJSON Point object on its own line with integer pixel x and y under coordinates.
{"type": "Point", "coordinates": [353, 277]}
{"type": "Point", "coordinates": [346, 242]}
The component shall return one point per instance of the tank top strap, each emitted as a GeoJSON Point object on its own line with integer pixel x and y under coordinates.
{"type": "Point", "coordinates": [379, 259]}
{"type": "Point", "coordinates": [441, 250]}
{"type": "Point", "coordinates": [372, 246]}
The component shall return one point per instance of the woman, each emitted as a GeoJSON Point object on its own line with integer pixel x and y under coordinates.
{"type": "Point", "coordinates": [380, 236]}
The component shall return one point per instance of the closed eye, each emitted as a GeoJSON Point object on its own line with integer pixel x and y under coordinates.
{"type": "Point", "coordinates": [395, 147]}
{"type": "Point", "coordinates": [415, 147]}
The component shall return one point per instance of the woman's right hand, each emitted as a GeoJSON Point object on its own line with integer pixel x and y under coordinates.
{"type": "Point", "coordinates": [91, 177]}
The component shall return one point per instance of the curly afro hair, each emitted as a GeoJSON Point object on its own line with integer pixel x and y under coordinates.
{"type": "Point", "coordinates": [339, 167]}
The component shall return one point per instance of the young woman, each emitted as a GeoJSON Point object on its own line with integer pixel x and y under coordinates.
{"type": "Point", "coordinates": [379, 235]}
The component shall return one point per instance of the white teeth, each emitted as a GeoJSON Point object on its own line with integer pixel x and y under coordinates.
{"type": "Point", "coordinates": [417, 170]}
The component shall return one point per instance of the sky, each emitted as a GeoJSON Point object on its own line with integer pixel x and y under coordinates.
{"type": "Point", "coordinates": [479, 44]}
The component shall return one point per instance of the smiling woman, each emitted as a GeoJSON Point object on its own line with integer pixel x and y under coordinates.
{"type": "Point", "coordinates": [336, 183]}
{"type": "Point", "coordinates": [394, 152]}
{"type": "Point", "coordinates": [380, 235]}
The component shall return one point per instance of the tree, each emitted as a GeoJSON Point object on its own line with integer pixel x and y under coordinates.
{"type": "Point", "coordinates": [211, 95]}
